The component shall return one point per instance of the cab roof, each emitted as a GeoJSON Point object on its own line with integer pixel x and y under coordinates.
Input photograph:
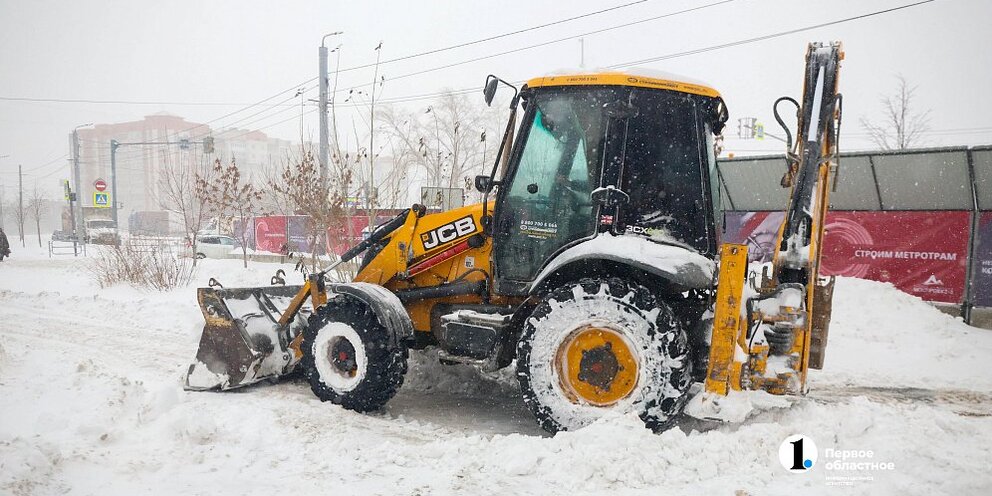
{"type": "Point", "coordinates": [639, 77]}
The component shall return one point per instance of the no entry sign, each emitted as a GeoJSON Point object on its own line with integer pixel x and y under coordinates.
{"type": "Point", "coordinates": [100, 185]}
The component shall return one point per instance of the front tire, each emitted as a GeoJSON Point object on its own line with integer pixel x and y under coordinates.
{"type": "Point", "coordinates": [349, 357]}
{"type": "Point", "coordinates": [603, 345]}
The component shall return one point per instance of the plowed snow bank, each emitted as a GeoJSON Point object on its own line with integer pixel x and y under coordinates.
{"type": "Point", "coordinates": [90, 403]}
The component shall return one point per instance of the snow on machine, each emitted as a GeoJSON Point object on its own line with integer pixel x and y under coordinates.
{"type": "Point", "coordinates": [593, 263]}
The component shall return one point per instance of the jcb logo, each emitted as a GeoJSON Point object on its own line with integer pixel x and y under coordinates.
{"type": "Point", "coordinates": [448, 232]}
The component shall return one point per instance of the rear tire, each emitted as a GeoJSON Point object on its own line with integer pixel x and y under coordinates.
{"type": "Point", "coordinates": [349, 357]}
{"type": "Point", "coordinates": [599, 346]}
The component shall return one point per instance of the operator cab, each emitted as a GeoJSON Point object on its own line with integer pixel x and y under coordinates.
{"type": "Point", "coordinates": [618, 152]}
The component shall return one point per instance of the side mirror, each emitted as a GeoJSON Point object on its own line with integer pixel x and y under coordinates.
{"type": "Point", "coordinates": [490, 90]}
{"type": "Point", "coordinates": [483, 184]}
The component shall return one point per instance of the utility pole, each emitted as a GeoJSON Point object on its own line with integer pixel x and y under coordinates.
{"type": "Point", "coordinates": [582, 53]}
{"type": "Point", "coordinates": [371, 194]}
{"type": "Point", "coordinates": [113, 181]}
{"type": "Point", "coordinates": [3, 188]}
{"type": "Point", "coordinates": [70, 198]}
{"type": "Point", "coordinates": [324, 132]}
{"type": "Point", "coordinates": [77, 223]}
{"type": "Point", "coordinates": [322, 75]}
{"type": "Point", "coordinates": [20, 204]}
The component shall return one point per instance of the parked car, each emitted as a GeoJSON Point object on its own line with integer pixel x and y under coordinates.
{"type": "Point", "coordinates": [214, 246]}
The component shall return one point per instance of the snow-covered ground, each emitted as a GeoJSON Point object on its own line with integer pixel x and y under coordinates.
{"type": "Point", "coordinates": [91, 403]}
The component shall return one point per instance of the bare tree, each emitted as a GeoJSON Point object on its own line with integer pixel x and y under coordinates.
{"type": "Point", "coordinates": [230, 195]}
{"type": "Point", "coordinates": [35, 209]}
{"type": "Point", "coordinates": [320, 201]}
{"type": "Point", "coordinates": [276, 201]}
{"type": "Point", "coordinates": [902, 125]}
{"type": "Point", "coordinates": [19, 215]}
{"type": "Point", "coordinates": [447, 142]}
{"type": "Point", "coordinates": [364, 160]}
{"type": "Point", "coordinates": [177, 193]}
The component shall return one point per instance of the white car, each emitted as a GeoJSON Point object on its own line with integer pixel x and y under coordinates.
{"type": "Point", "coordinates": [215, 246]}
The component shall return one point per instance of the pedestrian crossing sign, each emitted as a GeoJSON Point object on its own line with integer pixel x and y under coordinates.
{"type": "Point", "coordinates": [101, 200]}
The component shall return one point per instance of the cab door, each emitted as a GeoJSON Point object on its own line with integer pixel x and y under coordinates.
{"type": "Point", "coordinates": [545, 198]}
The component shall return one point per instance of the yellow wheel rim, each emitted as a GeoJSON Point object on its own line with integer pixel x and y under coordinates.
{"type": "Point", "coordinates": [596, 365]}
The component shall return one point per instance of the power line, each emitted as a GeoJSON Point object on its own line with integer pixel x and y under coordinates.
{"type": "Point", "coordinates": [653, 59]}
{"type": "Point", "coordinates": [170, 136]}
{"type": "Point", "coordinates": [250, 105]}
{"type": "Point", "coordinates": [303, 91]}
{"type": "Point", "coordinates": [57, 169]}
{"type": "Point", "coordinates": [397, 100]}
{"type": "Point", "coordinates": [46, 164]}
{"type": "Point", "coordinates": [466, 90]}
{"type": "Point", "coordinates": [945, 132]}
{"type": "Point", "coordinates": [529, 47]}
{"type": "Point", "coordinates": [546, 43]}
{"type": "Point", "coordinates": [766, 37]}
{"type": "Point", "coordinates": [625, 64]}
{"type": "Point", "coordinates": [308, 112]}
{"type": "Point", "coordinates": [662, 57]}
{"type": "Point", "coordinates": [495, 37]}
{"type": "Point", "coordinates": [122, 102]}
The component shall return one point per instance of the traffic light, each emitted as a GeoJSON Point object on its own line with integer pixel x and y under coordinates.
{"type": "Point", "coordinates": [208, 145]}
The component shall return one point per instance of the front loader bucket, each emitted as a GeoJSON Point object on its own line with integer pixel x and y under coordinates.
{"type": "Point", "coordinates": [242, 341]}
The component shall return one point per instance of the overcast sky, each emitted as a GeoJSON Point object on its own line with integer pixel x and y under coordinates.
{"type": "Point", "coordinates": [224, 55]}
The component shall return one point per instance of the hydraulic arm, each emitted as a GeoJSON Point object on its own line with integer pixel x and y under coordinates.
{"type": "Point", "coordinates": [767, 335]}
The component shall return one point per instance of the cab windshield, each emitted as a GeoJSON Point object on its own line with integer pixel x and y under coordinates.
{"type": "Point", "coordinates": [548, 201]}
{"type": "Point", "coordinates": [649, 143]}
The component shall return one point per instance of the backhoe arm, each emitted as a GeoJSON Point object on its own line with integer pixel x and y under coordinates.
{"type": "Point", "coordinates": [766, 340]}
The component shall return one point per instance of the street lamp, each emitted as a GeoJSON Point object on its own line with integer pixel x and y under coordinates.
{"type": "Point", "coordinates": [2, 187]}
{"type": "Point", "coordinates": [322, 76]}
{"type": "Point", "coordinates": [76, 211]}
{"type": "Point", "coordinates": [329, 35]}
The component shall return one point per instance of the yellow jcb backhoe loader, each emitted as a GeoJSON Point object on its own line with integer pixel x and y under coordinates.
{"type": "Point", "coordinates": [591, 263]}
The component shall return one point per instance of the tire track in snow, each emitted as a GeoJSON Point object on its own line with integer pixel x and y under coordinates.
{"type": "Point", "coordinates": [961, 401]}
{"type": "Point", "coordinates": [157, 350]}
{"type": "Point", "coordinates": [132, 347]}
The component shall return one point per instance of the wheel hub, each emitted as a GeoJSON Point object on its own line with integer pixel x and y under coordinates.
{"type": "Point", "coordinates": [342, 356]}
{"type": "Point", "coordinates": [599, 366]}
{"type": "Point", "coordinates": [596, 365]}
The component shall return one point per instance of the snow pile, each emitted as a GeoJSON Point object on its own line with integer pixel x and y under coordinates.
{"type": "Point", "coordinates": [880, 336]}
{"type": "Point", "coordinates": [735, 407]}
{"type": "Point", "coordinates": [92, 404]}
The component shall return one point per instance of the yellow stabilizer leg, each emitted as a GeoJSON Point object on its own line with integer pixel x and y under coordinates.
{"type": "Point", "coordinates": [723, 372]}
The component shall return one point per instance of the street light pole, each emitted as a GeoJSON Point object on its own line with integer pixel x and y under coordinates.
{"type": "Point", "coordinates": [20, 204]}
{"type": "Point", "coordinates": [322, 76]}
{"type": "Point", "coordinates": [2, 187]}
{"type": "Point", "coordinates": [113, 181]}
{"type": "Point", "coordinates": [77, 224]}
